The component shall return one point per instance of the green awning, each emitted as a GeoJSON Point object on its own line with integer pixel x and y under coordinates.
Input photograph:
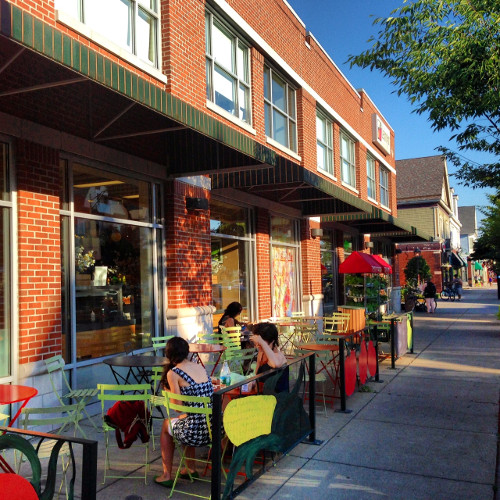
{"type": "Point", "coordinates": [379, 223]}
{"type": "Point", "coordinates": [478, 266]}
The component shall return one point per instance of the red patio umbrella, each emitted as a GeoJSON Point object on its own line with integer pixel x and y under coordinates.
{"type": "Point", "coordinates": [359, 262]}
{"type": "Point", "coordinates": [386, 268]}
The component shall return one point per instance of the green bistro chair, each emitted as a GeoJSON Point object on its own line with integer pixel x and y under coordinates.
{"type": "Point", "coordinates": [57, 420]}
{"type": "Point", "coordinates": [189, 404]}
{"type": "Point", "coordinates": [55, 367]}
{"type": "Point", "coordinates": [239, 359]}
{"type": "Point", "coordinates": [157, 401]}
{"type": "Point", "coordinates": [108, 394]}
{"type": "Point", "coordinates": [159, 344]}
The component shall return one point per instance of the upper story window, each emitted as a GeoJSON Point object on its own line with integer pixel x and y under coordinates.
{"type": "Point", "coordinates": [384, 187]}
{"type": "Point", "coordinates": [130, 24]}
{"type": "Point", "coordinates": [324, 146]}
{"type": "Point", "coordinates": [228, 69]}
{"type": "Point", "coordinates": [348, 159]}
{"type": "Point", "coordinates": [280, 114]}
{"type": "Point", "coordinates": [371, 182]}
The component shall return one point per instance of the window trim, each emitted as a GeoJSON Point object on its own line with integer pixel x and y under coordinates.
{"type": "Point", "coordinates": [351, 162]}
{"type": "Point", "coordinates": [371, 165]}
{"type": "Point", "coordinates": [328, 122]}
{"type": "Point", "coordinates": [289, 118]}
{"type": "Point", "coordinates": [79, 25]}
{"type": "Point", "coordinates": [236, 42]}
{"type": "Point", "coordinates": [384, 188]}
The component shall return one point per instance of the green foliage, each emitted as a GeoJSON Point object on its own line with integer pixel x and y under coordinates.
{"type": "Point", "coordinates": [417, 268]}
{"type": "Point", "coordinates": [375, 291]}
{"type": "Point", "coordinates": [487, 246]}
{"type": "Point", "coordinates": [445, 57]}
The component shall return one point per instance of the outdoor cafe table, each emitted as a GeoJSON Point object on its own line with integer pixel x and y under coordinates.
{"type": "Point", "coordinates": [137, 365]}
{"type": "Point", "coordinates": [333, 348]}
{"type": "Point", "coordinates": [198, 348]}
{"type": "Point", "coordinates": [10, 394]}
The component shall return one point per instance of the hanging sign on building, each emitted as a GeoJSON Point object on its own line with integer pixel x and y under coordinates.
{"type": "Point", "coordinates": [381, 135]}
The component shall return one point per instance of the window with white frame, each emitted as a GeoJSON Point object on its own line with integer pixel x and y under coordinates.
{"type": "Point", "coordinates": [324, 146]}
{"type": "Point", "coordinates": [348, 159]}
{"type": "Point", "coordinates": [130, 24]}
{"type": "Point", "coordinates": [228, 69]}
{"type": "Point", "coordinates": [279, 108]}
{"type": "Point", "coordinates": [384, 187]}
{"type": "Point", "coordinates": [371, 180]}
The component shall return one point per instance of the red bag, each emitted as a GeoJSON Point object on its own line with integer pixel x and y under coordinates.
{"type": "Point", "coordinates": [131, 418]}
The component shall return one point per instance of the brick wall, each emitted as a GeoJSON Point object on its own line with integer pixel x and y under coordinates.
{"type": "Point", "coordinates": [310, 258]}
{"type": "Point", "coordinates": [188, 264]}
{"type": "Point", "coordinates": [263, 263]}
{"type": "Point", "coordinates": [39, 259]}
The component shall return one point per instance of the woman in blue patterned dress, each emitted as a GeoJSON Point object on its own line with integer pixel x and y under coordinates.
{"type": "Point", "coordinates": [181, 376]}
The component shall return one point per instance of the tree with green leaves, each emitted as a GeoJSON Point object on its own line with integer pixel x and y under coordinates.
{"type": "Point", "coordinates": [416, 271]}
{"type": "Point", "coordinates": [487, 246]}
{"type": "Point", "coordinates": [445, 56]}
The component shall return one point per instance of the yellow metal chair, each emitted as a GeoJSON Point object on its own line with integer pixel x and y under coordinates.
{"type": "Point", "coordinates": [189, 405]}
{"type": "Point", "coordinates": [55, 367]}
{"type": "Point", "coordinates": [337, 323]}
{"type": "Point", "coordinates": [109, 394]}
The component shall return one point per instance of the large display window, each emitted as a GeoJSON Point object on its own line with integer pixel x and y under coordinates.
{"type": "Point", "coordinates": [329, 273]}
{"type": "Point", "coordinates": [5, 269]}
{"type": "Point", "coordinates": [110, 262]}
{"type": "Point", "coordinates": [232, 262]}
{"type": "Point", "coordinates": [284, 269]}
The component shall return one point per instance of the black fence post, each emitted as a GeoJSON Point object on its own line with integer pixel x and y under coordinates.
{"type": "Point", "coordinates": [89, 470]}
{"type": "Point", "coordinates": [216, 445]}
{"type": "Point", "coordinates": [312, 397]}
{"type": "Point", "coordinates": [412, 332]}
{"type": "Point", "coordinates": [393, 343]}
{"type": "Point", "coordinates": [342, 374]}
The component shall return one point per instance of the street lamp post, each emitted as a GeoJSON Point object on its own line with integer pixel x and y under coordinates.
{"type": "Point", "coordinates": [417, 253]}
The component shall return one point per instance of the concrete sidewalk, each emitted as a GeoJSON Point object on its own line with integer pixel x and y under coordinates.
{"type": "Point", "coordinates": [429, 430]}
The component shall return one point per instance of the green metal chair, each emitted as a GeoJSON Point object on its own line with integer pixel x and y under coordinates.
{"type": "Point", "coordinates": [57, 420]}
{"type": "Point", "coordinates": [55, 367]}
{"type": "Point", "coordinates": [110, 393]}
{"type": "Point", "coordinates": [189, 404]}
{"type": "Point", "coordinates": [159, 344]}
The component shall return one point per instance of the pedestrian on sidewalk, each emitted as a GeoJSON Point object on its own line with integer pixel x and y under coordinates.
{"type": "Point", "coordinates": [430, 296]}
{"type": "Point", "coordinates": [457, 285]}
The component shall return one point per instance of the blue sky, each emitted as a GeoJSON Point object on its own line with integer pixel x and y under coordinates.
{"type": "Point", "coordinates": [343, 28]}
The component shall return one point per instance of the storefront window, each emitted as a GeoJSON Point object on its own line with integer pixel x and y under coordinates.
{"type": "Point", "coordinates": [113, 244]}
{"type": "Point", "coordinates": [5, 284]}
{"type": "Point", "coordinates": [328, 273]}
{"type": "Point", "coordinates": [284, 248]}
{"type": "Point", "coordinates": [113, 286]}
{"type": "Point", "coordinates": [231, 257]}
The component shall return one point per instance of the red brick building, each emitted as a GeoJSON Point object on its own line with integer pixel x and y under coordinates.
{"type": "Point", "coordinates": [165, 159]}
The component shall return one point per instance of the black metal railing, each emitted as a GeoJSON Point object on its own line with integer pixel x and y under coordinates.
{"type": "Point", "coordinates": [218, 396]}
{"type": "Point", "coordinates": [89, 456]}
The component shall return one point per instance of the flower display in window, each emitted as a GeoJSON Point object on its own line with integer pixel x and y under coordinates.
{"type": "Point", "coordinates": [84, 260]}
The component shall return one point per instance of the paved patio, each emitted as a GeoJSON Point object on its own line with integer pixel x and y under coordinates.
{"type": "Point", "coordinates": [428, 430]}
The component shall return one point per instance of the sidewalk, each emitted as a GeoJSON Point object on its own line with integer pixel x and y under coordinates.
{"type": "Point", "coordinates": [429, 430]}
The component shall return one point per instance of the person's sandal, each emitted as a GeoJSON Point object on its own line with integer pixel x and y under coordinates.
{"type": "Point", "coordinates": [194, 475]}
{"type": "Point", "coordinates": [168, 483]}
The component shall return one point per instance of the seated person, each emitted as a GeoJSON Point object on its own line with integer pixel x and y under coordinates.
{"type": "Point", "coordinates": [265, 338]}
{"type": "Point", "coordinates": [228, 318]}
{"type": "Point", "coordinates": [181, 376]}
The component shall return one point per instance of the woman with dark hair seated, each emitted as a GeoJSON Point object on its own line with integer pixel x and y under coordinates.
{"type": "Point", "coordinates": [228, 318]}
{"type": "Point", "coordinates": [181, 376]}
{"type": "Point", "coordinates": [265, 338]}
